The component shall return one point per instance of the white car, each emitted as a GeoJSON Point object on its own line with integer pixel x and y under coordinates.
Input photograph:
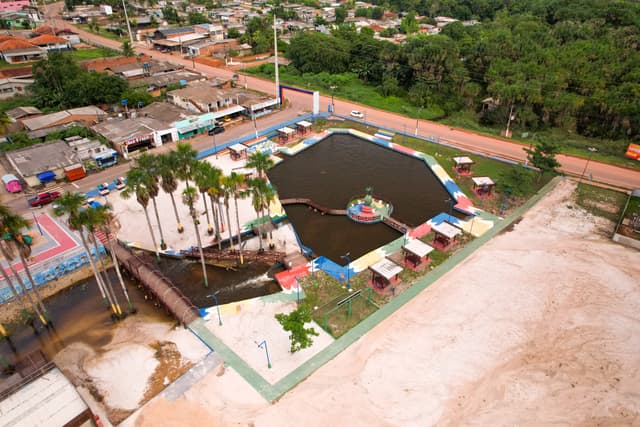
{"type": "Point", "coordinates": [357, 114]}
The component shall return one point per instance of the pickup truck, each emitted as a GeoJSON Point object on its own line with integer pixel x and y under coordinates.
{"type": "Point", "coordinates": [44, 198]}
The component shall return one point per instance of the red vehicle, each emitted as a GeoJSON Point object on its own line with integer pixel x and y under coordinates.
{"type": "Point", "coordinates": [43, 199]}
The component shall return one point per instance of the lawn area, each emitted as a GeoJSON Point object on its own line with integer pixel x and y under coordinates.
{"type": "Point", "coordinates": [104, 33]}
{"type": "Point", "coordinates": [86, 54]}
{"type": "Point", "coordinates": [601, 201]}
{"type": "Point", "coordinates": [346, 86]}
{"type": "Point", "coordinates": [16, 101]}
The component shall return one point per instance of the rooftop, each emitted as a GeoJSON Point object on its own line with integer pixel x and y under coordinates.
{"type": "Point", "coordinates": [19, 112]}
{"type": "Point", "coordinates": [119, 131]}
{"type": "Point", "coordinates": [164, 112]}
{"type": "Point", "coordinates": [45, 39]}
{"type": "Point", "coordinates": [52, 119]}
{"type": "Point", "coordinates": [42, 157]}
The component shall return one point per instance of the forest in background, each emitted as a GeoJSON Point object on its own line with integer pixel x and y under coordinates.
{"type": "Point", "coordinates": [573, 65]}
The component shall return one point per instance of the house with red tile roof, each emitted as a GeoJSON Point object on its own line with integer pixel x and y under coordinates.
{"type": "Point", "coordinates": [16, 50]}
{"type": "Point", "coordinates": [51, 42]}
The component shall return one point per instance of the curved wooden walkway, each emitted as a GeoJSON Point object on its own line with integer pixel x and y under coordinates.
{"type": "Point", "coordinates": [314, 205]}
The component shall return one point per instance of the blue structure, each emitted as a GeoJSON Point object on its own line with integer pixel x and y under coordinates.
{"type": "Point", "coordinates": [106, 158]}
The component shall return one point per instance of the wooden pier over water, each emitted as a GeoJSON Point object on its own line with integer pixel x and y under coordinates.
{"type": "Point", "coordinates": [230, 258]}
{"type": "Point", "coordinates": [312, 204]}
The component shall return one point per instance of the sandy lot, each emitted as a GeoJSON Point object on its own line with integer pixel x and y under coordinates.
{"type": "Point", "coordinates": [540, 326]}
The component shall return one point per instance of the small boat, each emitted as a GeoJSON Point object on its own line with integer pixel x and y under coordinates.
{"type": "Point", "coordinates": [103, 189]}
{"type": "Point", "coordinates": [120, 183]}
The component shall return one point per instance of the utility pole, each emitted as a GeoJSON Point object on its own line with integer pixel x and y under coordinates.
{"type": "Point", "coordinates": [507, 133]}
{"type": "Point", "coordinates": [126, 18]}
{"type": "Point", "coordinates": [275, 49]}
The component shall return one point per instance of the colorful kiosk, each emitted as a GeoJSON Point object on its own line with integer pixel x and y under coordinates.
{"type": "Point", "coordinates": [285, 134]}
{"type": "Point", "coordinates": [384, 273]}
{"type": "Point", "coordinates": [445, 236]}
{"type": "Point", "coordinates": [416, 254]}
{"type": "Point", "coordinates": [483, 186]}
{"type": "Point", "coordinates": [303, 127]}
{"type": "Point", "coordinates": [462, 165]}
{"type": "Point", "coordinates": [238, 152]}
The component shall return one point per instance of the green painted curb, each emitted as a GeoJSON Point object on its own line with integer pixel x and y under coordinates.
{"type": "Point", "coordinates": [275, 391]}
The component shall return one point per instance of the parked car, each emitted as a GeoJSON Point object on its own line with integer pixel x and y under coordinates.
{"type": "Point", "coordinates": [357, 114]}
{"type": "Point", "coordinates": [103, 189]}
{"type": "Point", "coordinates": [43, 199]}
{"type": "Point", "coordinates": [11, 183]}
{"type": "Point", "coordinates": [216, 130]}
{"type": "Point", "coordinates": [120, 183]}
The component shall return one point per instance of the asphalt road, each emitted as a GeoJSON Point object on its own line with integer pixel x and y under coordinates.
{"type": "Point", "coordinates": [298, 103]}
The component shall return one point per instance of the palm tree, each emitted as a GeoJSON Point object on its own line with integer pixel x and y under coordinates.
{"type": "Point", "coordinates": [257, 188]}
{"type": "Point", "coordinates": [150, 165]}
{"type": "Point", "coordinates": [201, 178]}
{"type": "Point", "coordinates": [269, 196]}
{"type": "Point", "coordinates": [260, 161]}
{"type": "Point", "coordinates": [71, 205]}
{"type": "Point", "coordinates": [168, 181]}
{"type": "Point", "coordinates": [233, 183]}
{"type": "Point", "coordinates": [137, 185]}
{"type": "Point", "coordinates": [186, 160]}
{"type": "Point", "coordinates": [214, 189]}
{"type": "Point", "coordinates": [12, 225]}
{"type": "Point", "coordinates": [25, 313]}
{"type": "Point", "coordinates": [104, 222]}
{"type": "Point", "coordinates": [189, 198]}
{"type": "Point", "coordinates": [91, 219]}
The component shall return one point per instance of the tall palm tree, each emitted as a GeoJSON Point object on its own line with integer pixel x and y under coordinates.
{"type": "Point", "coordinates": [234, 182]}
{"type": "Point", "coordinates": [137, 186]}
{"type": "Point", "coordinates": [105, 220]}
{"type": "Point", "coordinates": [189, 197]}
{"type": "Point", "coordinates": [186, 160]}
{"type": "Point", "coordinates": [201, 178]}
{"type": "Point", "coordinates": [169, 182]}
{"type": "Point", "coordinates": [257, 188]}
{"type": "Point", "coordinates": [226, 195]}
{"type": "Point", "coordinates": [71, 204]}
{"type": "Point", "coordinates": [12, 225]}
{"type": "Point", "coordinates": [214, 189]}
{"type": "Point", "coordinates": [261, 162]}
{"type": "Point", "coordinates": [16, 295]}
{"type": "Point", "coordinates": [91, 219]}
{"type": "Point", "coordinates": [150, 166]}
{"type": "Point", "coordinates": [269, 196]}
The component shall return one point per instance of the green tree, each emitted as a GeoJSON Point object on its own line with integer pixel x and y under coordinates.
{"type": "Point", "coordinates": [137, 185]}
{"type": "Point", "coordinates": [189, 198]}
{"type": "Point", "coordinates": [195, 18]}
{"type": "Point", "coordinates": [149, 165]}
{"type": "Point", "coordinates": [341, 14]}
{"type": "Point", "coordinates": [169, 181]}
{"type": "Point", "coordinates": [232, 188]}
{"type": "Point", "coordinates": [294, 323]}
{"type": "Point", "coordinates": [543, 157]}
{"type": "Point", "coordinates": [127, 49]}
{"type": "Point", "coordinates": [233, 33]}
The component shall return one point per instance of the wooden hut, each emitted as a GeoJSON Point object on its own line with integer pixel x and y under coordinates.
{"type": "Point", "coordinates": [483, 186]}
{"type": "Point", "coordinates": [416, 254]}
{"type": "Point", "coordinates": [238, 152]}
{"type": "Point", "coordinates": [462, 165]}
{"type": "Point", "coordinates": [384, 273]}
{"type": "Point", "coordinates": [285, 134]}
{"type": "Point", "coordinates": [445, 235]}
{"type": "Point", "coordinates": [303, 127]}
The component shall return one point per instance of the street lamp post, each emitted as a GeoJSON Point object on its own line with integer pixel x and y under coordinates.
{"type": "Point", "coordinates": [418, 119]}
{"type": "Point", "coordinates": [263, 344]}
{"type": "Point", "coordinates": [215, 298]}
{"type": "Point", "coordinates": [346, 258]}
{"type": "Point", "coordinates": [333, 105]}
{"type": "Point", "coordinates": [450, 203]}
{"type": "Point", "coordinates": [215, 147]}
{"type": "Point", "coordinates": [591, 151]}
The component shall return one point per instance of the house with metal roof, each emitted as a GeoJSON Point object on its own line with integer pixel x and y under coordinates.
{"type": "Point", "coordinates": [42, 163]}
{"type": "Point", "coordinates": [88, 115]}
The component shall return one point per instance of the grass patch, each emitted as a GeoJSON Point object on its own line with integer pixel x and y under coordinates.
{"type": "Point", "coordinates": [601, 202]}
{"type": "Point", "coordinates": [16, 101]}
{"type": "Point", "coordinates": [347, 86]}
{"type": "Point", "coordinates": [103, 33]}
{"type": "Point", "coordinates": [86, 54]}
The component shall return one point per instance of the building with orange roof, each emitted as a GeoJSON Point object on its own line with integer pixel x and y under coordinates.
{"type": "Point", "coordinates": [105, 64]}
{"type": "Point", "coordinates": [51, 42]}
{"type": "Point", "coordinates": [16, 50]}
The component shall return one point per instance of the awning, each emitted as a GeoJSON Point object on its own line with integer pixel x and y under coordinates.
{"type": "Point", "coordinates": [463, 160]}
{"type": "Point", "coordinates": [482, 181]}
{"type": "Point", "coordinates": [386, 268]}
{"type": "Point", "coordinates": [238, 148]}
{"type": "Point", "coordinates": [304, 124]}
{"type": "Point", "coordinates": [228, 111]}
{"type": "Point", "coordinates": [46, 176]}
{"type": "Point", "coordinates": [446, 230]}
{"type": "Point", "coordinates": [286, 130]}
{"type": "Point", "coordinates": [418, 248]}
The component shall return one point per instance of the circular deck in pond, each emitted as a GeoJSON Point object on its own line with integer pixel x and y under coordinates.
{"type": "Point", "coordinates": [368, 210]}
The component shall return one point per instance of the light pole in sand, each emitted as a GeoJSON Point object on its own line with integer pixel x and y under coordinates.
{"type": "Point", "coordinates": [591, 151]}
{"type": "Point", "coordinates": [215, 298]}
